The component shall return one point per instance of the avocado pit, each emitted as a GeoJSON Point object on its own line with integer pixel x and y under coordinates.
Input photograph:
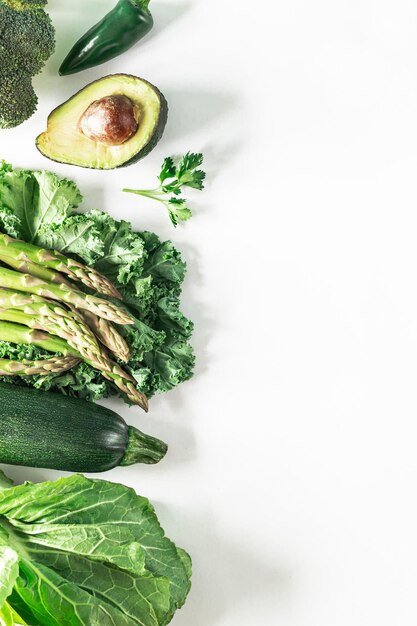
{"type": "Point", "coordinates": [110, 120]}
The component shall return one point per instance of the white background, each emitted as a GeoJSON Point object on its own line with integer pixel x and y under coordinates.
{"type": "Point", "coordinates": [292, 471]}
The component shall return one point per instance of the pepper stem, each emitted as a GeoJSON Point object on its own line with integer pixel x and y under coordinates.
{"type": "Point", "coordinates": [141, 4]}
{"type": "Point", "coordinates": [143, 448]}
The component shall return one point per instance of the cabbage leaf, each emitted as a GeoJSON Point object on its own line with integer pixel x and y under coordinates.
{"type": "Point", "coordinates": [81, 552]}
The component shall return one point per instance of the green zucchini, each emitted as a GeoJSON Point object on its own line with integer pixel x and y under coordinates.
{"type": "Point", "coordinates": [50, 430]}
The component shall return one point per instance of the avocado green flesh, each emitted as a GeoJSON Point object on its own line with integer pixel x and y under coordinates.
{"type": "Point", "coordinates": [63, 140]}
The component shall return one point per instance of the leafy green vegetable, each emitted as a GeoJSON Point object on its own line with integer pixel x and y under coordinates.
{"type": "Point", "coordinates": [78, 552]}
{"type": "Point", "coordinates": [26, 43]}
{"type": "Point", "coordinates": [172, 179]}
{"type": "Point", "coordinates": [41, 208]}
{"type": "Point", "coordinates": [9, 617]}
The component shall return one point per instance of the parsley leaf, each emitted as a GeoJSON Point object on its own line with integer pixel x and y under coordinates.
{"type": "Point", "coordinates": [178, 212]}
{"type": "Point", "coordinates": [167, 170]}
{"type": "Point", "coordinates": [173, 178]}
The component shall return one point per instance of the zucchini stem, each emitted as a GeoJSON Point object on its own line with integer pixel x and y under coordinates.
{"type": "Point", "coordinates": [143, 448]}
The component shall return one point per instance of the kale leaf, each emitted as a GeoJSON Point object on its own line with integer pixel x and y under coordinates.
{"type": "Point", "coordinates": [41, 207]}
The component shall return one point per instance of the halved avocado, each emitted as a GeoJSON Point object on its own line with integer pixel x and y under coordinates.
{"type": "Point", "coordinates": [112, 122]}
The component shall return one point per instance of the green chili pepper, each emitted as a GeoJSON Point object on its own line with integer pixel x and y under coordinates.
{"type": "Point", "coordinates": [119, 30]}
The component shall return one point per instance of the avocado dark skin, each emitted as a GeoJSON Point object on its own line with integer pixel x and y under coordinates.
{"type": "Point", "coordinates": [159, 131]}
{"type": "Point", "coordinates": [115, 111]}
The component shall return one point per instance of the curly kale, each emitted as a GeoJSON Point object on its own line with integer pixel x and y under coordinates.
{"type": "Point", "coordinates": [41, 207]}
{"type": "Point", "coordinates": [26, 43]}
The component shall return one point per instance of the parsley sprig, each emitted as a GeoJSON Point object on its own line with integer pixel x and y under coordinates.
{"type": "Point", "coordinates": [172, 179]}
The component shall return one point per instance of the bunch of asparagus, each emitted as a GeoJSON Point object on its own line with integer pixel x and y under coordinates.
{"type": "Point", "coordinates": [41, 305]}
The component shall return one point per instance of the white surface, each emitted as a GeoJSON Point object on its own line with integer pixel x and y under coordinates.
{"type": "Point", "coordinates": [292, 473]}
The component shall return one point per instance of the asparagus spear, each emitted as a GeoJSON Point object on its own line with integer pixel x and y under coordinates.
{"type": "Point", "coordinates": [108, 335]}
{"type": "Point", "coordinates": [42, 367]}
{"type": "Point", "coordinates": [18, 298]}
{"type": "Point", "coordinates": [11, 279]}
{"type": "Point", "coordinates": [127, 385]}
{"type": "Point", "coordinates": [79, 330]}
{"type": "Point", "coordinates": [34, 269]}
{"type": "Point", "coordinates": [27, 252]}
{"type": "Point", "coordinates": [15, 333]}
{"type": "Point", "coordinates": [57, 321]}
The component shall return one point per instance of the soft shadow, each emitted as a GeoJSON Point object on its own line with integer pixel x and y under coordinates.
{"type": "Point", "coordinates": [225, 574]}
{"type": "Point", "coordinates": [165, 14]}
{"type": "Point", "coordinates": [180, 439]}
{"type": "Point", "coordinates": [181, 449]}
{"type": "Point", "coordinates": [94, 196]}
{"type": "Point", "coordinates": [217, 158]}
{"type": "Point", "coordinates": [69, 28]}
{"type": "Point", "coordinates": [199, 312]}
{"type": "Point", "coordinates": [190, 111]}
{"type": "Point", "coordinates": [178, 430]}
{"type": "Point", "coordinates": [20, 475]}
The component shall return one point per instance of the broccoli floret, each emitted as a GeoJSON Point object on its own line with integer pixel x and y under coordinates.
{"type": "Point", "coordinates": [26, 43]}
{"type": "Point", "coordinates": [22, 5]}
{"type": "Point", "coordinates": [28, 36]}
{"type": "Point", "coordinates": [17, 99]}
